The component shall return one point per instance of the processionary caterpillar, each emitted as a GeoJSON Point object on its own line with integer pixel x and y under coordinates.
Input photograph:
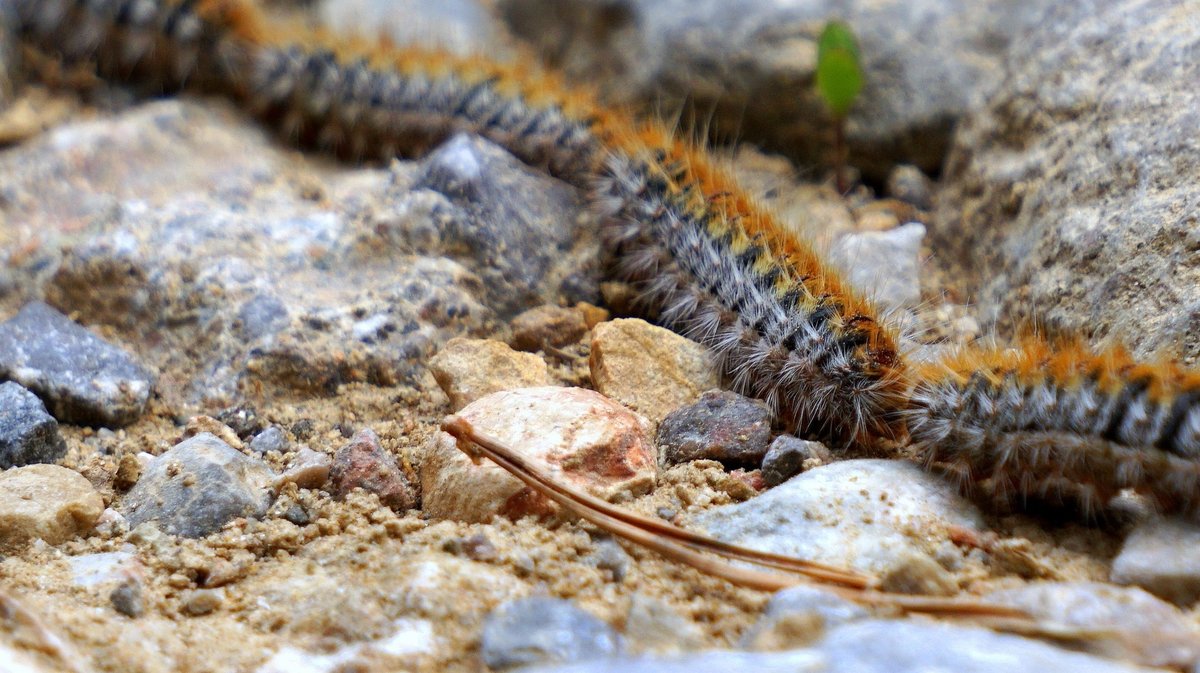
{"type": "Point", "coordinates": [1062, 425]}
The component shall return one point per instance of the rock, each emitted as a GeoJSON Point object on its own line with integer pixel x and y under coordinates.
{"type": "Point", "coordinates": [468, 369]}
{"type": "Point", "coordinates": [463, 27]}
{"type": "Point", "coordinates": [1137, 627]}
{"type": "Point", "coordinates": [547, 249]}
{"type": "Point", "coordinates": [721, 426]}
{"type": "Point", "coordinates": [198, 486]}
{"type": "Point", "coordinates": [1151, 559]}
{"type": "Point", "coordinates": [789, 455]}
{"type": "Point", "coordinates": [200, 424]}
{"type": "Point", "coordinates": [433, 587]}
{"type": "Point", "coordinates": [1074, 190]}
{"type": "Point", "coordinates": [799, 615]}
{"type": "Point", "coordinates": [750, 66]}
{"type": "Point", "coordinates": [907, 183]}
{"type": "Point", "coordinates": [543, 630]}
{"type": "Point", "coordinates": [608, 554]}
{"type": "Point", "coordinates": [271, 439]}
{"type": "Point", "coordinates": [364, 464]}
{"type": "Point", "coordinates": [309, 469]}
{"type": "Point", "coordinates": [202, 602]}
{"type": "Point", "coordinates": [883, 265]}
{"type": "Point", "coordinates": [45, 502]}
{"type": "Point", "coordinates": [27, 433]}
{"type": "Point", "coordinates": [877, 646]}
{"type": "Point", "coordinates": [126, 598]}
{"type": "Point", "coordinates": [879, 516]}
{"type": "Point", "coordinates": [82, 378]}
{"type": "Point", "coordinates": [583, 438]}
{"type": "Point", "coordinates": [411, 637]}
{"type": "Point", "coordinates": [101, 568]}
{"type": "Point", "coordinates": [654, 627]}
{"type": "Point", "coordinates": [547, 326]}
{"type": "Point", "coordinates": [649, 369]}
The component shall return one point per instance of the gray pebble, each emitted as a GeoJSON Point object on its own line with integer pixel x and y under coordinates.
{"type": "Point", "coordinates": [197, 486]}
{"type": "Point", "coordinates": [884, 265]}
{"type": "Point", "coordinates": [27, 433]}
{"type": "Point", "coordinates": [609, 555]}
{"type": "Point", "coordinates": [721, 426]}
{"type": "Point", "coordinates": [82, 378]}
{"type": "Point", "coordinates": [271, 439]}
{"type": "Point", "coordinates": [907, 183]}
{"type": "Point", "coordinates": [1155, 559]}
{"type": "Point", "coordinates": [542, 630]}
{"type": "Point", "coordinates": [804, 600]}
{"type": "Point", "coordinates": [787, 455]}
{"type": "Point", "coordinates": [126, 598]}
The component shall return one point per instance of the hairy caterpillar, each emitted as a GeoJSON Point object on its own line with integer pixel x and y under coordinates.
{"type": "Point", "coordinates": [706, 260]}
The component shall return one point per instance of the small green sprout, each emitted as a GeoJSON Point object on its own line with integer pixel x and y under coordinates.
{"type": "Point", "coordinates": [839, 80]}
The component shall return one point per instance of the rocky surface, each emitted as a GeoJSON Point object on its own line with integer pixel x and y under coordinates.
{"type": "Point", "coordinates": [468, 369]}
{"type": "Point", "coordinates": [1071, 199]}
{"type": "Point", "coordinates": [581, 437]}
{"type": "Point", "coordinates": [746, 68]}
{"type": "Point", "coordinates": [27, 433]}
{"type": "Point", "coordinates": [649, 369]}
{"type": "Point", "coordinates": [81, 377]}
{"type": "Point", "coordinates": [721, 426]}
{"type": "Point", "coordinates": [543, 630]}
{"type": "Point", "coordinates": [546, 327]}
{"type": "Point", "coordinates": [1151, 559]}
{"type": "Point", "coordinates": [875, 515]}
{"type": "Point", "coordinates": [196, 487]}
{"type": "Point", "coordinates": [45, 502]}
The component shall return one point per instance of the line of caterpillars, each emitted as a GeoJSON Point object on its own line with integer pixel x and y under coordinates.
{"type": "Point", "coordinates": [1034, 422]}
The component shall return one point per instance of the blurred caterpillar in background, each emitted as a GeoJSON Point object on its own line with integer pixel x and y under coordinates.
{"type": "Point", "coordinates": [1062, 425]}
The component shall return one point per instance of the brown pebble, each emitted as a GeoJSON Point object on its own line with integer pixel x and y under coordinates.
{"type": "Point", "coordinates": [364, 464]}
{"type": "Point", "coordinates": [126, 598]}
{"type": "Point", "coordinates": [547, 326]}
{"type": "Point", "coordinates": [202, 602]}
{"type": "Point", "coordinates": [129, 470]}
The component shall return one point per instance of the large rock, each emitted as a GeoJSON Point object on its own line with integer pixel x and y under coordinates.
{"type": "Point", "coordinates": [47, 502]}
{"type": "Point", "coordinates": [27, 433]}
{"type": "Point", "coordinates": [81, 377]}
{"type": "Point", "coordinates": [746, 67]}
{"type": "Point", "coordinates": [880, 516]}
{"type": "Point", "coordinates": [1072, 198]}
{"type": "Point", "coordinates": [585, 439]}
{"type": "Point", "coordinates": [197, 486]}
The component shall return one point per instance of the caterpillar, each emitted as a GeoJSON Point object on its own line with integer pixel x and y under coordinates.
{"type": "Point", "coordinates": [1060, 424]}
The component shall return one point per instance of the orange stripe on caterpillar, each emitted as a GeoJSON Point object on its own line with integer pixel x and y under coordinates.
{"type": "Point", "coordinates": [706, 259]}
{"type": "Point", "coordinates": [1061, 423]}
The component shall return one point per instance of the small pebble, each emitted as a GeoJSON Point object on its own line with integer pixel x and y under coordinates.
{"type": "Point", "coordinates": [243, 420]}
{"type": "Point", "coordinates": [364, 464]}
{"type": "Point", "coordinates": [89, 570]}
{"type": "Point", "coordinates": [796, 616]}
{"type": "Point", "coordinates": [27, 433]}
{"type": "Point", "coordinates": [297, 515]}
{"type": "Point", "coordinates": [788, 456]}
{"type": "Point", "coordinates": [588, 440]}
{"type": "Point", "coordinates": [309, 469]}
{"type": "Point", "coordinates": [1151, 559]}
{"type": "Point", "coordinates": [721, 426]}
{"type": "Point", "coordinates": [45, 502]}
{"type": "Point", "coordinates": [609, 555]}
{"type": "Point", "coordinates": [271, 439]}
{"type": "Point", "coordinates": [649, 369]}
{"type": "Point", "coordinates": [653, 627]}
{"type": "Point", "coordinates": [199, 424]}
{"type": "Point", "coordinates": [129, 470]}
{"type": "Point", "coordinates": [547, 326]}
{"type": "Point", "coordinates": [202, 602]}
{"type": "Point", "coordinates": [197, 486]}
{"type": "Point", "coordinates": [907, 183]}
{"type": "Point", "coordinates": [543, 630]}
{"type": "Point", "coordinates": [469, 369]}
{"type": "Point", "coordinates": [126, 598]}
{"type": "Point", "coordinates": [81, 378]}
{"type": "Point", "coordinates": [884, 265]}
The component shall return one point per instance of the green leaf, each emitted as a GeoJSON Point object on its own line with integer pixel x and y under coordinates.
{"type": "Point", "coordinates": [839, 73]}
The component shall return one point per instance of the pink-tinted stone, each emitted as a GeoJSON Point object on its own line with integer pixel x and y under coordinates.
{"type": "Point", "coordinates": [364, 464]}
{"type": "Point", "coordinates": [581, 437]}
